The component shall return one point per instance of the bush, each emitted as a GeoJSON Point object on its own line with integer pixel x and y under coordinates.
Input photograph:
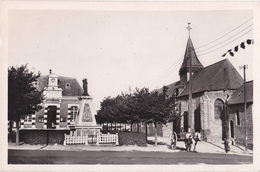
{"type": "Point", "coordinates": [132, 138]}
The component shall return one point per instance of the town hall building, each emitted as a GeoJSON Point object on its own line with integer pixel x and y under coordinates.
{"type": "Point", "coordinates": [56, 114]}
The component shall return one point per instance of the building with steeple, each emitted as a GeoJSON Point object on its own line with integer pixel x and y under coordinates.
{"type": "Point", "coordinates": [205, 90]}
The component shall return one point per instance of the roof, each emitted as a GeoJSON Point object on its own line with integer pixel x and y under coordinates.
{"type": "Point", "coordinates": [218, 76]}
{"type": "Point", "coordinates": [74, 90]}
{"type": "Point", "coordinates": [171, 88]}
{"type": "Point", "coordinates": [238, 96]}
{"type": "Point", "coordinates": [190, 53]}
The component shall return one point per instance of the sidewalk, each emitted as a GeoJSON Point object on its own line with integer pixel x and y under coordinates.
{"type": "Point", "coordinates": [163, 146]}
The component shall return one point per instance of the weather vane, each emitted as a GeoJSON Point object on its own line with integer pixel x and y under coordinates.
{"type": "Point", "coordinates": [189, 28]}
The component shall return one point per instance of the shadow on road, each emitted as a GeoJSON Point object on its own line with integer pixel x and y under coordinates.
{"type": "Point", "coordinates": [44, 146]}
{"type": "Point", "coordinates": [151, 142]}
{"type": "Point", "coordinates": [217, 145]}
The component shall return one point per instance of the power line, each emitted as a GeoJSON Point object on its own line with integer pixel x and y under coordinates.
{"type": "Point", "coordinates": [165, 72]}
{"type": "Point", "coordinates": [166, 75]}
{"type": "Point", "coordinates": [172, 68]}
{"type": "Point", "coordinates": [224, 34]}
{"type": "Point", "coordinates": [225, 39]}
{"type": "Point", "coordinates": [242, 45]}
{"type": "Point", "coordinates": [227, 43]}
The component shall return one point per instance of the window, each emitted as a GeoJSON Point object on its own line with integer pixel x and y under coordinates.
{"type": "Point", "coordinates": [40, 119]}
{"type": "Point", "coordinates": [28, 118]}
{"type": "Point", "coordinates": [67, 86]}
{"type": "Point", "coordinates": [62, 119]}
{"type": "Point", "coordinates": [219, 109]}
{"type": "Point", "coordinates": [74, 110]}
{"type": "Point", "coordinates": [237, 117]}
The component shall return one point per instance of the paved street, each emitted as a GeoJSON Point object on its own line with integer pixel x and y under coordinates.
{"type": "Point", "coordinates": [121, 157]}
{"type": "Point", "coordinates": [207, 153]}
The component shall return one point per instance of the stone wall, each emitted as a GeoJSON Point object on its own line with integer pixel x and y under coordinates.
{"type": "Point", "coordinates": [167, 129]}
{"type": "Point", "coordinates": [43, 137]}
{"type": "Point", "coordinates": [239, 130]}
{"type": "Point", "coordinates": [210, 128]}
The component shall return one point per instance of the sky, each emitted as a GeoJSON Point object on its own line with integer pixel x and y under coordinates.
{"type": "Point", "coordinates": [121, 49]}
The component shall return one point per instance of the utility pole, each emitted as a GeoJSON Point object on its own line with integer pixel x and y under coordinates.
{"type": "Point", "coordinates": [190, 87]}
{"type": "Point", "coordinates": [244, 67]}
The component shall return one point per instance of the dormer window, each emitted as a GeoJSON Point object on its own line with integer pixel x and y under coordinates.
{"type": "Point", "coordinates": [67, 86]}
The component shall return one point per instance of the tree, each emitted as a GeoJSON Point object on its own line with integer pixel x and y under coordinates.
{"type": "Point", "coordinates": [23, 97]}
{"type": "Point", "coordinates": [141, 106]}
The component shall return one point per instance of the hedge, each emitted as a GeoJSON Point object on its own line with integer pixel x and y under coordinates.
{"type": "Point", "coordinates": [132, 138]}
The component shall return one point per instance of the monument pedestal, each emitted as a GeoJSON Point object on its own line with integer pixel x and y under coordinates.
{"type": "Point", "coordinates": [85, 123]}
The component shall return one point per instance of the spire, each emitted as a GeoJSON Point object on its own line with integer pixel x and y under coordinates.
{"type": "Point", "coordinates": [190, 54]}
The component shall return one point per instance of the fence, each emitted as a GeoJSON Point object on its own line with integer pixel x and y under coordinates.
{"type": "Point", "coordinates": [107, 139]}
{"type": "Point", "coordinates": [70, 139]}
{"type": "Point", "coordinates": [97, 139]}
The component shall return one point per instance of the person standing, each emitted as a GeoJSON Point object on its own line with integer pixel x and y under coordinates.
{"type": "Point", "coordinates": [226, 145]}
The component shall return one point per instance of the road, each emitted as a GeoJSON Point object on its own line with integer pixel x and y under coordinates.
{"type": "Point", "coordinates": [122, 157]}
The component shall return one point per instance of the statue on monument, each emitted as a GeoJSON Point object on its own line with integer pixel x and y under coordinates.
{"type": "Point", "coordinates": [85, 87]}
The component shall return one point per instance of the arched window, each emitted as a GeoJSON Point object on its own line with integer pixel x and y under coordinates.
{"type": "Point", "coordinates": [237, 117]}
{"type": "Point", "coordinates": [219, 109]}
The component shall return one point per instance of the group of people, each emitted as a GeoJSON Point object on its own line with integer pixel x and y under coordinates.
{"type": "Point", "coordinates": [191, 140]}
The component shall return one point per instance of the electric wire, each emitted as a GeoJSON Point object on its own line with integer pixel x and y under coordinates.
{"type": "Point", "coordinates": [226, 44]}
{"type": "Point", "coordinates": [173, 67]}
{"type": "Point", "coordinates": [165, 72]}
{"type": "Point", "coordinates": [224, 40]}
{"type": "Point", "coordinates": [224, 34]}
{"type": "Point", "coordinates": [166, 75]}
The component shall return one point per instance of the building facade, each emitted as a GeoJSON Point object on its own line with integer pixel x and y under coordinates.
{"type": "Point", "coordinates": [211, 87]}
{"type": "Point", "coordinates": [56, 114]}
{"type": "Point", "coordinates": [241, 125]}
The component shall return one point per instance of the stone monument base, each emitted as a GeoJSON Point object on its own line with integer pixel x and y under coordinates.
{"type": "Point", "coordinates": [85, 130]}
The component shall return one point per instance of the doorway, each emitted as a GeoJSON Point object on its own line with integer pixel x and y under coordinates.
{"type": "Point", "coordinates": [197, 122]}
{"type": "Point", "coordinates": [51, 119]}
{"type": "Point", "coordinates": [186, 121]}
{"type": "Point", "coordinates": [220, 119]}
{"type": "Point", "coordinates": [231, 129]}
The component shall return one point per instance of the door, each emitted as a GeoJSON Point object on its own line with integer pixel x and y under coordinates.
{"type": "Point", "coordinates": [186, 121]}
{"type": "Point", "coordinates": [51, 118]}
{"type": "Point", "coordinates": [231, 129]}
{"type": "Point", "coordinates": [197, 123]}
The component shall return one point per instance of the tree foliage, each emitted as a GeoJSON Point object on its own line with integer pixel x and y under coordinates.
{"type": "Point", "coordinates": [140, 106]}
{"type": "Point", "coordinates": [23, 97]}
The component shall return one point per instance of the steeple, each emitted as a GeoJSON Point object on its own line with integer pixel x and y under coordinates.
{"type": "Point", "coordinates": [189, 54]}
